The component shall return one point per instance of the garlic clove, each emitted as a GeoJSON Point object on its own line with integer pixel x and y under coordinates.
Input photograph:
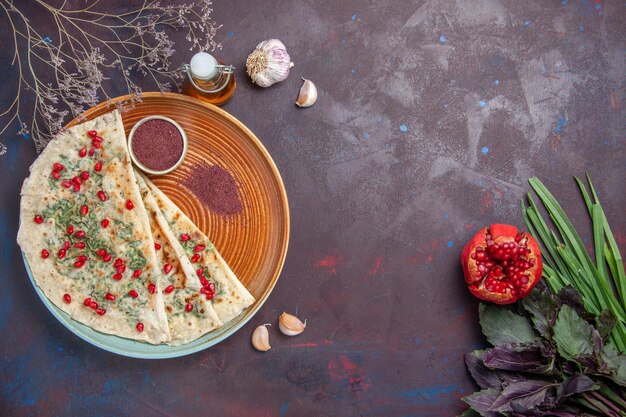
{"type": "Point", "coordinates": [261, 338]}
{"type": "Point", "coordinates": [290, 325]}
{"type": "Point", "coordinates": [308, 94]}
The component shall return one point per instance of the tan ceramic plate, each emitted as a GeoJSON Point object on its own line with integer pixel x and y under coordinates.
{"type": "Point", "coordinates": [253, 242]}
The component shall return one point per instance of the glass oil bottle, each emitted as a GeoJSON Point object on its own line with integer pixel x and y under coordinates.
{"type": "Point", "coordinates": [209, 80]}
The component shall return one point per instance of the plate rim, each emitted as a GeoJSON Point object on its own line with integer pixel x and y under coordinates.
{"type": "Point", "coordinates": [86, 333]}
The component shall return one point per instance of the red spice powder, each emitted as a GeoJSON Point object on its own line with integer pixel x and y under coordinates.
{"type": "Point", "coordinates": [157, 144]}
{"type": "Point", "coordinates": [216, 188]}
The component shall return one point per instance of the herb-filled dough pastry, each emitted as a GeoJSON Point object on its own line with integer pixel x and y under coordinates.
{"type": "Point", "coordinates": [86, 234]}
{"type": "Point", "coordinates": [219, 284]}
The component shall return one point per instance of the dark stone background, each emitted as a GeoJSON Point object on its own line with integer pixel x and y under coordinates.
{"type": "Point", "coordinates": [431, 117]}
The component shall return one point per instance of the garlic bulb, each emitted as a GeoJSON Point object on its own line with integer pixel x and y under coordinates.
{"type": "Point", "coordinates": [261, 338]}
{"type": "Point", "coordinates": [308, 94]}
{"type": "Point", "coordinates": [269, 63]}
{"type": "Point", "coordinates": [290, 325]}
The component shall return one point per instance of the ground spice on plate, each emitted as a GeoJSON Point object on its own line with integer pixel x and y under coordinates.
{"type": "Point", "coordinates": [216, 188]}
{"type": "Point", "coordinates": [157, 144]}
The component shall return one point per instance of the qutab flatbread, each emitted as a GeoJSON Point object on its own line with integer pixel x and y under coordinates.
{"type": "Point", "coordinates": [189, 314]}
{"type": "Point", "coordinates": [86, 235]}
{"type": "Point", "coordinates": [228, 296]}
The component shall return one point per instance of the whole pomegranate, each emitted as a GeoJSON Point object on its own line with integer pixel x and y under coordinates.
{"type": "Point", "coordinates": [501, 264]}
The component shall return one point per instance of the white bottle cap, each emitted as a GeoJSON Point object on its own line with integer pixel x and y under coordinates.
{"type": "Point", "coordinates": [203, 66]}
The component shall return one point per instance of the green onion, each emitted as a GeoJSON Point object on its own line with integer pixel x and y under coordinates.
{"type": "Point", "coordinates": [567, 261]}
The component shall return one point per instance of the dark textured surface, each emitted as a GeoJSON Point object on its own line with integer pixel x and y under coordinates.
{"type": "Point", "coordinates": [431, 116]}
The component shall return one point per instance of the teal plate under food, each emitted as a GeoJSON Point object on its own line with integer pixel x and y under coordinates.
{"type": "Point", "coordinates": [133, 348]}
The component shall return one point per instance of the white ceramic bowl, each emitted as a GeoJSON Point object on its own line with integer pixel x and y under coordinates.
{"type": "Point", "coordinates": [139, 164]}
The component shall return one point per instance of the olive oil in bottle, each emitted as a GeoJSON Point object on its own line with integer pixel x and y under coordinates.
{"type": "Point", "coordinates": [209, 80]}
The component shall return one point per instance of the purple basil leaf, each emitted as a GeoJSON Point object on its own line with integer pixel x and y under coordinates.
{"type": "Point", "coordinates": [604, 323]}
{"type": "Point", "coordinates": [546, 368]}
{"type": "Point", "coordinates": [525, 394]}
{"type": "Point", "coordinates": [571, 297]}
{"type": "Point", "coordinates": [588, 362]}
{"type": "Point", "coordinates": [481, 402]}
{"type": "Point", "coordinates": [577, 384]}
{"type": "Point", "coordinates": [484, 377]}
{"type": "Point", "coordinates": [512, 357]}
{"type": "Point", "coordinates": [542, 309]}
{"type": "Point", "coordinates": [597, 342]}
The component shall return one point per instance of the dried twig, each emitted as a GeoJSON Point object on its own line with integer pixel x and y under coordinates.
{"type": "Point", "coordinates": [65, 70]}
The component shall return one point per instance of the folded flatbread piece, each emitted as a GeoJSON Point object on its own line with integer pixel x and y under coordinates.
{"type": "Point", "coordinates": [189, 314]}
{"type": "Point", "coordinates": [86, 234]}
{"type": "Point", "coordinates": [228, 296]}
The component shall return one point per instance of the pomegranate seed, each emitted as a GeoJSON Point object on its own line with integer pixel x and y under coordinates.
{"type": "Point", "coordinates": [84, 175]}
{"type": "Point", "coordinates": [78, 264]}
{"type": "Point", "coordinates": [151, 288]}
{"type": "Point", "coordinates": [211, 287]}
{"type": "Point", "coordinates": [79, 245]}
{"type": "Point", "coordinates": [210, 296]}
{"type": "Point", "coordinates": [61, 254]}
{"type": "Point", "coordinates": [133, 293]}
{"type": "Point", "coordinates": [199, 248]}
{"type": "Point", "coordinates": [57, 167]}
{"type": "Point", "coordinates": [56, 175]}
{"type": "Point", "coordinates": [188, 307]}
{"type": "Point", "coordinates": [92, 133]}
{"type": "Point", "coordinates": [97, 138]}
{"type": "Point", "coordinates": [82, 152]}
{"type": "Point", "coordinates": [102, 196]}
{"type": "Point", "coordinates": [77, 187]}
{"type": "Point", "coordinates": [93, 305]}
{"type": "Point", "coordinates": [199, 271]}
{"type": "Point", "coordinates": [101, 252]}
{"type": "Point", "coordinates": [92, 152]}
{"type": "Point", "coordinates": [117, 277]}
{"type": "Point", "coordinates": [157, 246]}
{"type": "Point", "coordinates": [87, 302]}
{"type": "Point", "coordinates": [121, 269]}
{"type": "Point", "coordinates": [195, 258]}
{"type": "Point", "coordinates": [129, 205]}
{"type": "Point", "coordinates": [84, 210]}
{"type": "Point", "coordinates": [104, 223]}
{"type": "Point", "coordinates": [96, 144]}
{"type": "Point", "coordinates": [67, 298]}
{"type": "Point", "coordinates": [81, 258]}
{"type": "Point", "coordinates": [118, 262]}
{"type": "Point", "coordinates": [66, 184]}
{"type": "Point", "coordinates": [70, 229]}
{"type": "Point", "coordinates": [169, 289]}
{"type": "Point", "coordinates": [101, 311]}
{"type": "Point", "coordinates": [66, 245]}
{"type": "Point", "coordinates": [139, 327]}
{"type": "Point", "coordinates": [107, 258]}
{"type": "Point", "coordinates": [80, 234]}
{"type": "Point", "coordinates": [38, 219]}
{"type": "Point", "coordinates": [44, 253]}
{"type": "Point", "coordinates": [184, 237]}
{"type": "Point", "coordinates": [204, 281]}
{"type": "Point", "coordinates": [98, 166]}
{"type": "Point", "coordinates": [109, 296]}
{"type": "Point", "coordinates": [167, 268]}
{"type": "Point", "coordinates": [136, 273]}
